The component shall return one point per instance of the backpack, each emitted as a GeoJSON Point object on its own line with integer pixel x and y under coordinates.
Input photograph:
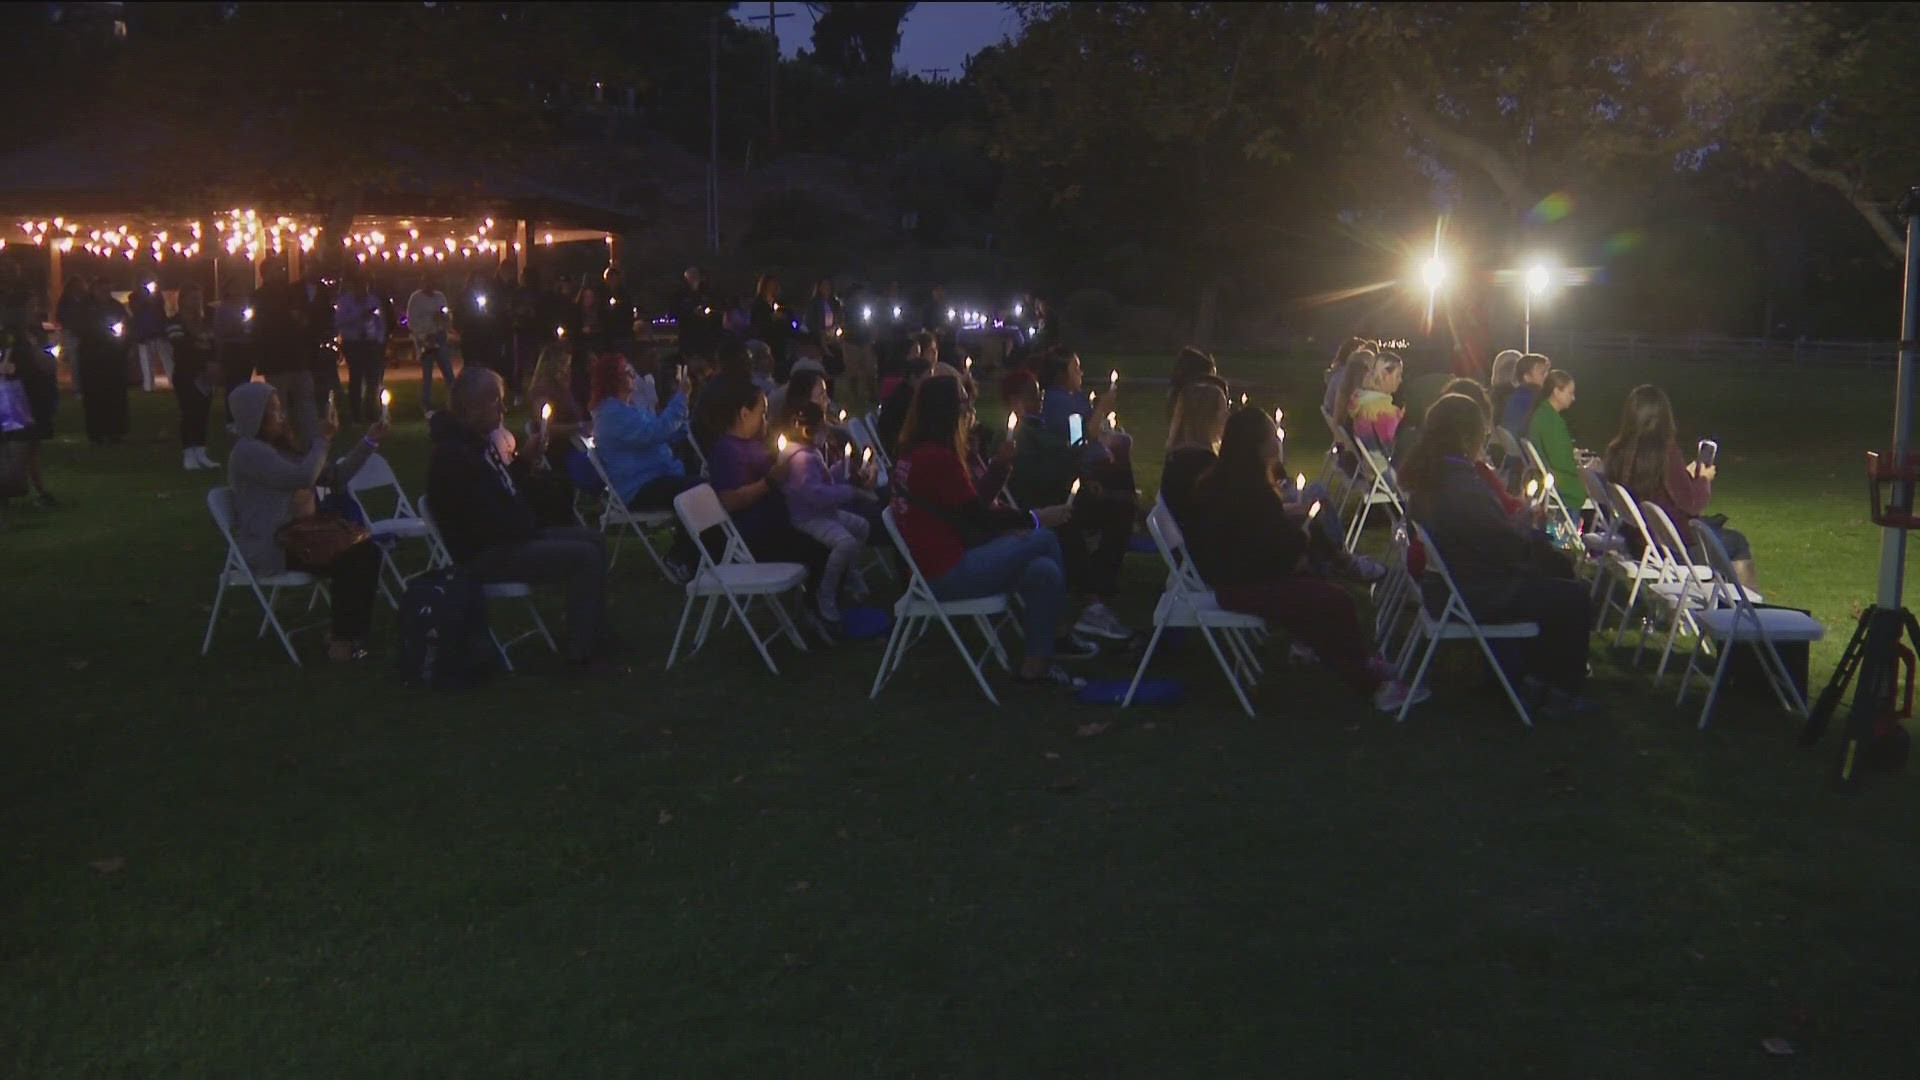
{"type": "Point", "coordinates": [444, 642]}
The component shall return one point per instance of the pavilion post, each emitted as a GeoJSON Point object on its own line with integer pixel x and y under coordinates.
{"type": "Point", "coordinates": [54, 277]}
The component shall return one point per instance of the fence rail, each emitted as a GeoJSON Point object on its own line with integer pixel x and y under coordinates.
{"type": "Point", "coordinates": [1603, 346]}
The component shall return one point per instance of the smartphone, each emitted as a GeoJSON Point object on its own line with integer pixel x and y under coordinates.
{"type": "Point", "coordinates": [1076, 428]}
{"type": "Point", "coordinates": [1709, 450]}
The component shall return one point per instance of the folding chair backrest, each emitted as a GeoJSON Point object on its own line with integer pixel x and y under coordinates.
{"type": "Point", "coordinates": [1596, 486]}
{"type": "Point", "coordinates": [586, 446]}
{"type": "Point", "coordinates": [1165, 530]}
{"type": "Point", "coordinates": [865, 439]}
{"type": "Point", "coordinates": [917, 585]}
{"type": "Point", "coordinates": [1505, 440]}
{"type": "Point", "coordinates": [441, 555]}
{"type": "Point", "coordinates": [376, 473]}
{"type": "Point", "coordinates": [1722, 591]}
{"type": "Point", "coordinates": [1629, 509]}
{"type": "Point", "coordinates": [1677, 563]}
{"type": "Point", "coordinates": [699, 509]}
{"type": "Point", "coordinates": [701, 453]}
{"type": "Point", "coordinates": [1552, 488]}
{"type": "Point", "coordinates": [1340, 437]}
{"type": "Point", "coordinates": [1456, 606]}
{"type": "Point", "coordinates": [220, 505]}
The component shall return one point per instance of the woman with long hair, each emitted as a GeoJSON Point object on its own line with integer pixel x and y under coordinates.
{"type": "Point", "coordinates": [748, 476]}
{"type": "Point", "coordinates": [1506, 572]}
{"type": "Point", "coordinates": [26, 356]}
{"type": "Point", "coordinates": [1376, 419]}
{"type": "Point", "coordinates": [1645, 458]}
{"type": "Point", "coordinates": [1253, 553]}
{"type": "Point", "coordinates": [1189, 366]}
{"type": "Point", "coordinates": [1336, 372]}
{"type": "Point", "coordinates": [1193, 445]}
{"type": "Point", "coordinates": [1350, 382]}
{"type": "Point", "coordinates": [968, 547]}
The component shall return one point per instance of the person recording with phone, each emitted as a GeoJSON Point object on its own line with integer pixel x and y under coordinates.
{"type": "Point", "coordinates": [1645, 457]}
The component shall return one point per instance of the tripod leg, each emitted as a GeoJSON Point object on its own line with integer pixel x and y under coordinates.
{"type": "Point", "coordinates": [1836, 688]}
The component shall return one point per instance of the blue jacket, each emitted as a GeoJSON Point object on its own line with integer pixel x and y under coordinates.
{"type": "Point", "coordinates": [636, 445]}
{"type": "Point", "coordinates": [1519, 410]}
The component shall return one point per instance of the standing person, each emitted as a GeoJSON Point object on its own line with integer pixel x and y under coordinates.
{"type": "Point", "coordinates": [1645, 458]}
{"type": "Point", "coordinates": [968, 547]}
{"type": "Point", "coordinates": [103, 366]}
{"type": "Point", "coordinates": [319, 344]}
{"type": "Point", "coordinates": [1252, 552]}
{"type": "Point", "coordinates": [196, 375]}
{"type": "Point", "coordinates": [148, 330]}
{"type": "Point", "coordinates": [233, 343]}
{"type": "Point", "coordinates": [279, 326]}
{"type": "Point", "coordinates": [697, 317]}
{"type": "Point", "coordinates": [438, 354]}
{"type": "Point", "coordinates": [272, 481]}
{"type": "Point", "coordinates": [490, 528]}
{"type": "Point", "coordinates": [773, 324]}
{"type": "Point", "coordinates": [827, 319]}
{"type": "Point", "coordinates": [477, 319]}
{"type": "Point", "coordinates": [69, 313]}
{"type": "Point", "coordinates": [421, 306]}
{"type": "Point", "coordinates": [1547, 430]}
{"type": "Point", "coordinates": [361, 321]}
{"type": "Point", "coordinates": [26, 356]}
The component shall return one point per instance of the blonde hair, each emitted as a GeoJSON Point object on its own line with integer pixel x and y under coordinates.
{"type": "Point", "coordinates": [1199, 417]}
{"type": "Point", "coordinates": [1381, 366]}
{"type": "Point", "coordinates": [1504, 364]}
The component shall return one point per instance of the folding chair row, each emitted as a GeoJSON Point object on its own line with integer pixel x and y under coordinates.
{"type": "Point", "coordinates": [376, 474]}
{"type": "Point", "coordinates": [616, 515]}
{"type": "Point", "coordinates": [500, 590]}
{"type": "Point", "coordinates": [1188, 603]}
{"type": "Point", "coordinates": [918, 608]}
{"type": "Point", "coordinates": [265, 585]}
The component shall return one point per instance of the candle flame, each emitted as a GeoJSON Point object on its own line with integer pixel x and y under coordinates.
{"type": "Point", "coordinates": [783, 444]}
{"type": "Point", "coordinates": [1300, 482]}
{"type": "Point", "coordinates": [386, 398]}
{"type": "Point", "coordinates": [1533, 488]}
{"type": "Point", "coordinates": [1113, 377]}
{"type": "Point", "coordinates": [546, 412]}
{"type": "Point", "coordinates": [1074, 490]}
{"type": "Point", "coordinates": [866, 455]}
{"type": "Point", "coordinates": [1112, 421]}
{"type": "Point", "coordinates": [1013, 421]}
{"type": "Point", "coordinates": [1313, 511]}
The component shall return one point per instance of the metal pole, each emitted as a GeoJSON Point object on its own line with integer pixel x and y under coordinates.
{"type": "Point", "coordinates": [773, 83]}
{"type": "Point", "coordinates": [713, 153]}
{"type": "Point", "coordinates": [1527, 335]}
{"type": "Point", "coordinates": [1893, 541]}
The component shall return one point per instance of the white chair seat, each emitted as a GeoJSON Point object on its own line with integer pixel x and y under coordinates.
{"type": "Point", "coordinates": [909, 605]}
{"type": "Point", "coordinates": [646, 519]}
{"type": "Point", "coordinates": [1633, 569]}
{"type": "Point", "coordinates": [1780, 624]}
{"type": "Point", "coordinates": [281, 579]}
{"type": "Point", "coordinates": [507, 590]}
{"type": "Point", "coordinates": [1454, 631]}
{"type": "Point", "coordinates": [1603, 543]}
{"type": "Point", "coordinates": [1697, 592]}
{"type": "Point", "coordinates": [747, 578]}
{"type": "Point", "coordinates": [1202, 609]}
{"type": "Point", "coordinates": [400, 528]}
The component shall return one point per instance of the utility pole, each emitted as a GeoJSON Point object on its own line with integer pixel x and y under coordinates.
{"type": "Point", "coordinates": [773, 75]}
{"type": "Point", "coordinates": [936, 72]}
{"type": "Point", "coordinates": [713, 152]}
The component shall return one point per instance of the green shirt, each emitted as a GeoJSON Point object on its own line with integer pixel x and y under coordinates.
{"type": "Point", "coordinates": [1549, 434]}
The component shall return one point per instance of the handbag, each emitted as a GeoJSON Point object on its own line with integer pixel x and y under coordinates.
{"type": "Point", "coordinates": [319, 539]}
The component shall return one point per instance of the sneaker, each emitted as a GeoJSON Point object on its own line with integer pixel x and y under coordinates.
{"type": "Point", "coordinates": [189, 462]}
{"type": "Point", "coordinates": [1367, 569]}
{"type": "Point", "coordinates": [1098, 621]}
{"type": "Point", "coordinates": [1394, 696]}
{"type": "Point", "coordinates": [205, 461]}
{"type": "Point", "coordinates": [1075, 647]}
{"type": "Point", "coordinates": [678, 572]}
{"type": "Point", "coordinates": [1055, 675]}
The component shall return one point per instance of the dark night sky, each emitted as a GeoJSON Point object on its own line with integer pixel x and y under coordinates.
{"type": "Point", "coordinates": [935, 35]}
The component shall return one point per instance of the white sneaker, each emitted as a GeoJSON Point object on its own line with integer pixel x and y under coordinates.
{"type": "Point", "coordinates": [1097, 621]}
{"type": "Point", "coordinates": [205, 461]}
{"type": "Point", "coordinates": [189, 462]}
{"type": "Point", "coordinates": [1394, 696]}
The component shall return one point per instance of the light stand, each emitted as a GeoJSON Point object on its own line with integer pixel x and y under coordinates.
{"type": "Point", "coordinates": [1872, 652]}
{"type": "Point", "coordinates": [1526, 339]}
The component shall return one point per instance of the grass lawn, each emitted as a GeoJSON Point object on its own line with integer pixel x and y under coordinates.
{"type": "Point", "coordinates": [234, 867]}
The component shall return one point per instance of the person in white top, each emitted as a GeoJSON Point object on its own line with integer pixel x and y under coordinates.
{"type": "Point", "coordinates": [426, 301]}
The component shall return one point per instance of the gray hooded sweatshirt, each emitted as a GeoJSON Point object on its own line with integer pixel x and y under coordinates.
{"type": "Point", "coordinates": [271, 486]}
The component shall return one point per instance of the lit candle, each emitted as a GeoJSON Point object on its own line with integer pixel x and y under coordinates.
{"type": "Point", "coordinates": [119, 329]}
{"type": "Point", "coordinates": [843, 416]}
{"type": "Point", "coordinates": [1300, 482]}
{"type": "Point", "coordinates": [1113, 422]}
{"type": "Point", "coordinates": [386, 405]}
{"type": "Point", "coordinates": [1313, 511]}
{"type": "Point", "coordinates": [1243, 399]}
{"type": "Point", "coordinates": [482, 301]}
{"type": "Point", "coordinates": [783, 444]}
{"type": "Point", "coordinates": [246, 315]}
{"type": "Point", "coordinates": [1113, 380]}
{"type": "Point", "coordinates": [1074, 490]}
{"type": "Point", "coordinates": [1548, 482]}
{"type": "Point", "coordinates": [1276, 420]}
{"type": "Point", "coordinates": [1013, 421]}
{"type": "Point", "coordinates": [153, 287]}
{"type": "Point", "coordinates": [546, 415]}
{"type": "Point", "coordinates": [560, 331]}
{"type": "Point", "coordinates": [866, 455]}
{"type": "Point", "coordinates": [1533, 488]}
{"type": "Point", "coordinates": [866, 314]}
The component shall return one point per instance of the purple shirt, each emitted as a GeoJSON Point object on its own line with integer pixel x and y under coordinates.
{"type": "Point", "coordinates": [735, 463]}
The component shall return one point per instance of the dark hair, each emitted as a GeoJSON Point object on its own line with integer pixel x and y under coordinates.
{"type": "Point", "coordinates": [724, 400]}
{"type": "Point", "coordinates": [1359, 362]}
{"type": "Point", "coordinates": [807, 414]}
{"type": "Point", "coordinates": [1470, 388]}
{"type": "Point", "coordinates": [1637, 456]}
{"type": "Point", "coordinates": [938, 416]}
{"type": "Point", "coordinates": [1018, 385]}
{"type": "Point", "coordinates": [765, 282]}
{"type": "Point", "coordinates": [1052, 365]}
{"type": "Point", "coordinates": [1554, 381]}
{"type": "Point", "coordinates": [1241, 469]}
{"type": "Point", "coordinates": [1526, 363]}
{"type": "Point", "coordinates": [1347, 349]}
{"type": "Point", "coordinates": [1456, 425]}
{"type": "Point", "coordinates": [1190, 365]}
{"type": "Point", "coordinates": [800, 389]}
{"type": "Point", "coordinates": [926, 342]}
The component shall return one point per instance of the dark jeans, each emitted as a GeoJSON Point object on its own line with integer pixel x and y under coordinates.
{"type": "Point", "coordinates": [103, 392]}
{"type": "Point", "coordinates": [1317, 614]}
{"type": "Point", "coordinates": [237, 362]}
{"type": "Point", "coordinates": [353, 575]}
{"type": "Point", "coordinates": [1563, 610]}
{"type": "Point", "coordinates": [193, 401]}
{"type": "Point", "coordinates": [573, 556]}
{"type": "Point", "coordinates": [1094, 543]}
{"type": "Point", "coordinates": [441, 358]}
{"type": "Point", "coordinates": [366, 372]}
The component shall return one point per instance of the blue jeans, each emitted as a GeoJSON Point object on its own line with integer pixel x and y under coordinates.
{"type": "Point", "coordinates": [443, 358]}
{"type": "Point", "coordinates": [1025, 563]}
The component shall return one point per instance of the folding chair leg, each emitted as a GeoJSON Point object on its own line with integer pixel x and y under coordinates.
{"type": "Point", "coordinates": [886, 659]}
{"type": "Point", "coordinates": [685, 612]}
{"type": "Point", "coordinates": [786, 622]}
{"type": "Point", "coordinates": [1420, 673]}
{"type": "Point", "coordinates": [1500, 673]}
{"type": "Point", "coordinates": [993, 639]}
{"type": "Point", "coordinates": [1719, 675]}
{"type": "Point", "coordinates": [213, 620]}
{"type": "Point", "coordinates": [502, 650]}
{"type": "Point", "coordinates": [967, 655]}
{"type": "Point", "coordinates": [540, 625]}
{"type": "Point", "coordinates": [706, 622]}
{"type": "Point", "coordinates": [1233, 677]}
{"type": "Point", "coordinates": [1141, 671]}
{"type": "Point", "coordinates": [747, 625]}
{"type": "Point", "coordinates": [1673, 635]}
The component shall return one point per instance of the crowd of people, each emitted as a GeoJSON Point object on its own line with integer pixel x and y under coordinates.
{"type": "Point", "coordinates": [1043, 506]}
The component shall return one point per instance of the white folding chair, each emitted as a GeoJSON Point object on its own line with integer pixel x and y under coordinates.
{"type": "Point", "coordinates": [1684, 590]}
{"type": "Point", "coordinates": [734, 577]}
{"type": "Point", "coordinates": [864, 439]}
{"type": "Point", "coordinates": [266, 585]}
{"type": "Point", "coordinates": [616, 515]}
{"type": "Point", "coordinates": [1550, 489]}
{"type": "Point", "coordinates": [701, 453]}
{"type": "Point", "coordinates": [1374, 477]}
{"type": "Point", "coordinates": [1332, 477]}
{"type": "Point", "coordinates": [1510, 464]}
{"type": "Point", "coordinates": [1187, 602]}
{"type": "Point", "coordinates": [389, 532]}
{"type": "Point", "coordinates": [881, 450]}
{"type": "Point", "coordinates": [1635, 573]}
{"type": "Point", "coordinates": [1731, 619]}
{"type": "Point", "coordinates": [1454, 622]}
{"type": "Point", "coordinates": [499, 590]}
{"type": "Point", "coordinates": [917, 608]}
{"type": "Point", "coordinates": [1603, 539]}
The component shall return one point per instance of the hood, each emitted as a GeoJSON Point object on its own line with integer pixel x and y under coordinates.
{"type": "Point", "coordinates": [446, 428]}
{"type": "Point", "coordinates": [248, 406]}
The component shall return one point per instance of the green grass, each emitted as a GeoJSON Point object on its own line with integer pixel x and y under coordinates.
{"type": "Point", "coordinates": [233, 867]}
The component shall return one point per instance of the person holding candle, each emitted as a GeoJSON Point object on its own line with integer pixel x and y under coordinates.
{"type": "Point", "coordinates": [360, 320]}
{"type": "Point", "coordinates": [773, 323]}
{"type": "Point", "coordinates": [635, 444]}
{"type": "Point", "coordinates": [821, 501]}
{"type": "Point", "coordinates": [1252, 551]}
{"type": "Point", "coordinates": [492, 530]}
{"type": "Point", "coordinates": [1190, 366]}
{"type": "Point", "coordinates": [102, 334]}
{"type": "Point", "coordinates": [748, 476]}
{"type": "Point", "coordinates": [195, 374]}
{"type": "Point", "coordinates": [969, 547]}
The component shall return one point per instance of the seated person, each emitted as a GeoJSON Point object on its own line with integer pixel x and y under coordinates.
{"type": "Point", "coordinates": [488, 525]}
{"type": "Point", "coordinates": [922, 354]}
{"type": "Point", "coordinates": [1094, 539]}
{"type": "Point", "coordinates": [1515, 506]}
{"type": "Point", "coordinates": [273, 486]}
{"type": "Point", "coordinates": [748, 477]}
{"type": "Point", "coordinates": [635, 444]}
{"type": "Point", "coordinates": [1547, 431]}
{"type": "Point", "coordinates": [1193, 445]}
{"type": "Point", "coordinates": [1335, 378]}
{"type": "Point", "coordinates": [1500, 380]}
{"type": "Point", "coordinates": [1376, 419]}
{"type": "Point", "coordinates": [1252, 552]}
{"type": "Point", "coordinates": [1505, 572]}
{"type": "Point", "coordinates": [940, 515]}
{"type": "Point", "coordinates": [552, 385]}
{"type": "Point", "coordinates": [821, 502]}
{"type": "Point", "coordinates": [1528, 374]}
{"type": "Point", "coordinates": [1645, 458]}
{"type": "Point", "coordinates": [1189, 366]}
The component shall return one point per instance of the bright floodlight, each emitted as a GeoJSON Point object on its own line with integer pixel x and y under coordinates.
{"type": "Point", "coordinates": [1434, 273]}
{"type": "Point", "coordinates": [1538, 279]}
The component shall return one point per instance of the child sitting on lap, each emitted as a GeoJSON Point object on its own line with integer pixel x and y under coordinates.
{"type": "Point", "coordinates": [817, 496]}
